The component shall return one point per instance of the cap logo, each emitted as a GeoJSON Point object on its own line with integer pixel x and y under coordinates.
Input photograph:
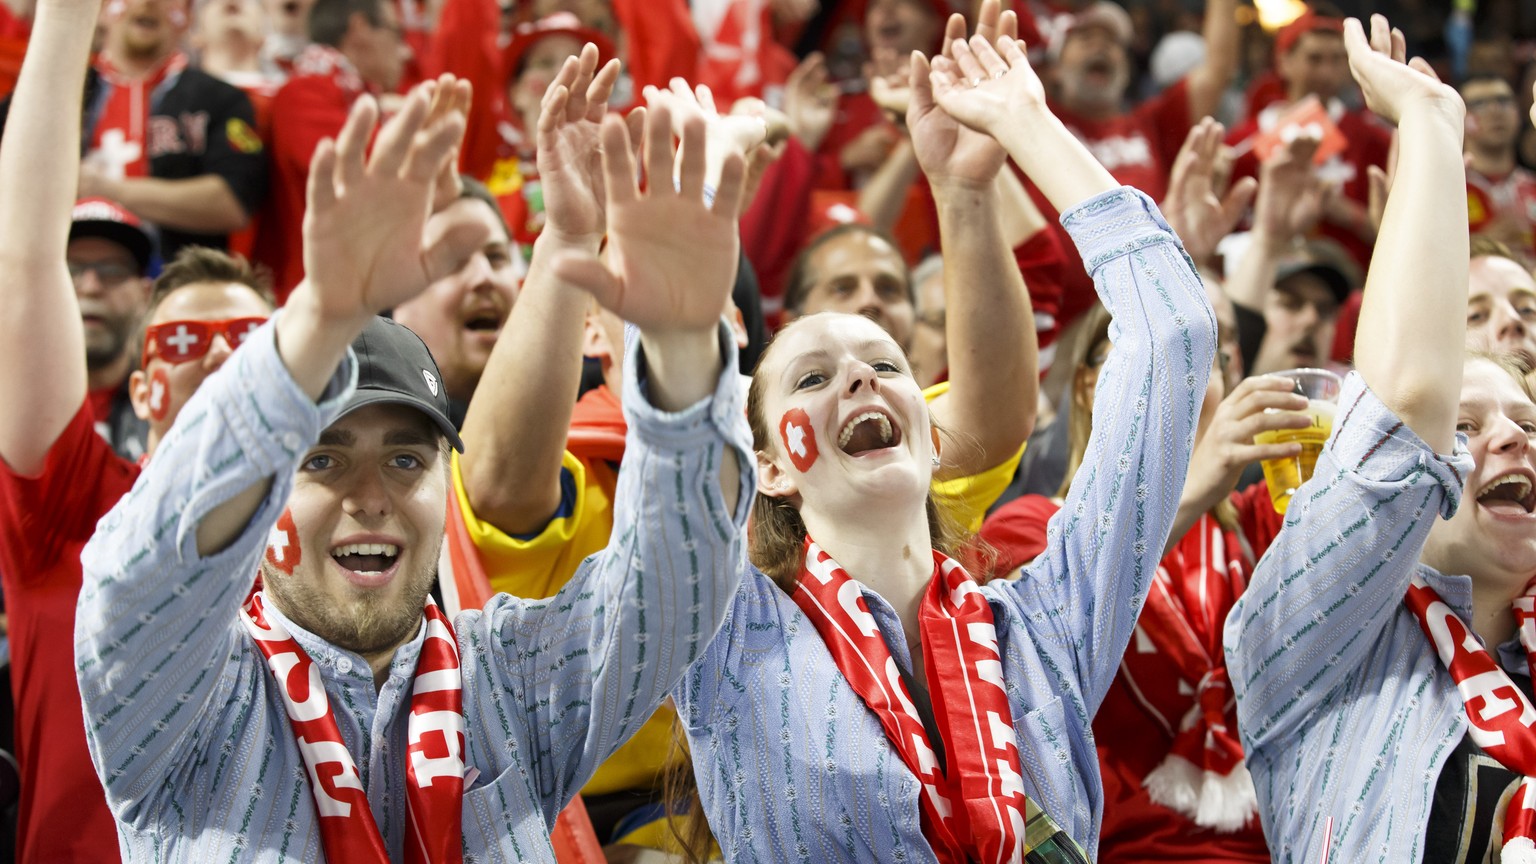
{"type": "Point", "coordinates": [431, 380]}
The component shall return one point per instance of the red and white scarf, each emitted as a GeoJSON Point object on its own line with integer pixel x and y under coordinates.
{"type": "Point", "coordinates": [976, 810]}
{"type": "Point", "coordinates": [1499, 715]}
{"type": "Point", "coordinates": [1177, 644]}
{"type": "Point", "coordinates": [435, 756]}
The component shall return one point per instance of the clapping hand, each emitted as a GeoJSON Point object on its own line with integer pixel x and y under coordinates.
{"type": "Point", "coordinates": [1292, 197]}
{"type": "Point", "coordinates": [724, 134]}
{"type": "Point", "coordinates": [364, 250]}
{"type": "Point", "coordinates": [1195, 207]}
{"type": "Point", "coordinates": [810, 101]}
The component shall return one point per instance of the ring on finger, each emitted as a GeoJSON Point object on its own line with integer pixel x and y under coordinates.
{"type": "Point", "coordinates": [998, 74]}
{"type": "Point", "coordinates": [976, 82]}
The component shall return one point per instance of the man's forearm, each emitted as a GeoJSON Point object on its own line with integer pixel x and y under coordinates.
{"type": "Point", "coordinates": [989, 327]}
{"type": "Point", "coordinates": [1210, 79]}
{"type": "Point", "coordinates": [202, 205]}
{"type": "Point", "coordinates": [885, 195]}
{"type": "Point", "coordinates": [515, 436]}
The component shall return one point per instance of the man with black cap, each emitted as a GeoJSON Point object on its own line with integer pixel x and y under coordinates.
{"type": "Point", "coordinates": [369, 727]}
{"type": "Point", "coordinates": [75, 292]}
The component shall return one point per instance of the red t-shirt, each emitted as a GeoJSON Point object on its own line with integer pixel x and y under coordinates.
{"type": "Point", "coordinates": [313, 105]}
{"type": "Point", "coordinates": [45, 522]}
{"type": "Point", "coordinates": [1511, 199]}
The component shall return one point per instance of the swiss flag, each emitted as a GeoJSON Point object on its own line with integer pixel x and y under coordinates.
{"type": "Point", "coordinates": [1306, 118]}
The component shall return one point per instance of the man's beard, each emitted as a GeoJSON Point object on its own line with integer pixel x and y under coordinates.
{"type": "Point", "coordinates": [105, 344]}
{"type": "Point", "coordinates": [369, 624]}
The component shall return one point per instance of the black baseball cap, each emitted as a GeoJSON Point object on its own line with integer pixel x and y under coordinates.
{"type": "Point", "coordinates": [394, 367]}
{"type": "Point", "coordinates": [1326, 271]}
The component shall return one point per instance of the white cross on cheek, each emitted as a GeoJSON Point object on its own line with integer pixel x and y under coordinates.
{"type": "Point", "coordinates": [277, 541]}
{"type": "Point", "coordinates": [796, 440]}
{"type": "Point", "coordinates": [182, 341]}
{"type": "Point", "coordinates": [157, 395]}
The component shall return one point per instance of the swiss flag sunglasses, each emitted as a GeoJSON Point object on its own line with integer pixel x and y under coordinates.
{"type": "Point", "coordinates": [185, 341]}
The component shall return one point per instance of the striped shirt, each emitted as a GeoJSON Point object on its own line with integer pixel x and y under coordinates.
{"type": "Point", "coordinates": [793, 766]}
{"type": "Point", "coordinates": [1346, 712]}
{"type": "Point", "coordinates": [184, 720]}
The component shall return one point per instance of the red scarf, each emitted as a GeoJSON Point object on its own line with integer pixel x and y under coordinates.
{"type": "Point", "coordinates": [973, 809]}
{"type": "Point", "coordinates": [1498, 714]}
{"type": "Point", "coordinates": [1177, 644]}
{"type": "Point", "coordinates": [121, 138]}
{"type": "Point", "coordinates": [435, 756]}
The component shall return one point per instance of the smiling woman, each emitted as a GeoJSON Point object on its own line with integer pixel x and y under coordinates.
{"type": "Point", "coordinates": [834, 717]}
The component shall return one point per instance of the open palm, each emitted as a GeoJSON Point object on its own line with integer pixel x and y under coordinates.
{"type": "Point", "coordinates": [364, 250]}
{"type": "Point", "coordinates": [671, 256]}
{"type": "Point", "coordinates": [570, 161]}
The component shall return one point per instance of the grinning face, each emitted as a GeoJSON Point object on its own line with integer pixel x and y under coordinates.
{"type": "Point", "coordinates": [112, 295]}
{"type": "Point", "coordinates": [460, 315]}
{"type": "Point", "coordinates": [1300, 317]}
{"type": "Point", "coordinates": [1316, 65]}
{"type": "Point", "coordinates": [379, 53]}
{"type": "Point", "coordinates": [160, 389]}
{"type": "Point", "coordinates": [849, 424]}
{"type": "Point", "coordinates": [1492, 537]}
{"type": "Point", "coordinates": [367, 510]}
{"type": "Point", "coordinates": [1501, 308]}
{"type": "Point", "coordinates": [1093, 71]}
{"type": "Point", "coordinates": [861, 274]}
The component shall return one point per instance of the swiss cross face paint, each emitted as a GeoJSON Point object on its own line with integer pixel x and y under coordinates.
{"type": "Point", "coordinates": [159, 394]}
{"type": "Point", "coordinates": [283, 544]}
{"type": "Point", "coordinates": [799, 439]}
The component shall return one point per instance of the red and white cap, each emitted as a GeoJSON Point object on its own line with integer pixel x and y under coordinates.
{"type": "Point", "coordinates": [104, 218]}
{"type": "Point", "coordinates": [1110, 16]}
{"type": "Point", "coordinates": [558, 24]}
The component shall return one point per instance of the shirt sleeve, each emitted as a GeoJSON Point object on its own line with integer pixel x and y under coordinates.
{"type": "Point", "coordinates": [156, 630]}
{"type": "Point", "coordinates": [587, 668]}
{"type": "Point", "coordinates": [41, 516]}
{"type": "Point", "coordinates": [1337, 573]}
{"type": "Point", "coordinates": [1085, 592]}
{"type": "Point", "coordinates": [235, 151]}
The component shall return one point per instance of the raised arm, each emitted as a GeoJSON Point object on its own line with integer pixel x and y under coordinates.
{"type": "Point", "coordinates": [1415, 298]}
{"type": "Point", "coordinates": [514, 437]}
{"type": "Point", "coordinates": [177, 554]}
{"type": "Point", "coordinates": [994, 359]}
{"type": "Point", "coordinates": [42, 317]}
{"type": "Point", "coordinates": [1209, 80]}
{"type": "Point", "coordinates": [595, 662]}
{"type": "Point", "coordinates": [1104, 548]}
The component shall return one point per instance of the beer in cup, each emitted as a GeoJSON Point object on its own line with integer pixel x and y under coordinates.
{"type": "Point", "coordinates": [1285, 476]}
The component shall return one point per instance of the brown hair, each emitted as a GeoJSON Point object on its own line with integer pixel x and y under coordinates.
{"type": "Point", "coordinates": [1510, 364]}
{"type": "Point", "coordinates": [798, 285]}
{"type": "Point", "coordinates": [1483, 246]}
{"type": "Point", "coordinates": [776, 543]}
{"type": "Point", "coordinates": [196, 265]}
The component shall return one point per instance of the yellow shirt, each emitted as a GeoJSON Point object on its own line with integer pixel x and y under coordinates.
{"type": "Point", "coordinates": [537, 567]}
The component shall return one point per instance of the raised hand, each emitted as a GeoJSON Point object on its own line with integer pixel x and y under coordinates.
{"type": "Point", "coordinates": [671, 256]}
{"type": "Point", "coordinates": [1392, 85]}
{"type": "Point", "coordinates": [1195, 207]}
{"type": "Point", "coordinates": [984, 88]}
{"type": "Point", "coordinates": [451, 96]}
{"type": "Point", "coordinates": [1292, 197]}
{"type": "Point", "coordinates": [568, 139]}
{"type": "Point", "coordinates": [364, 250]}
{"type": "Point", "coordinates": [810, 101]}
{"type": "Point", "coordinates": [946, 150]}
{"type": "Point", "coordinates": [724, 134]}
{"type": "Point", "coordinates": [890, 82]}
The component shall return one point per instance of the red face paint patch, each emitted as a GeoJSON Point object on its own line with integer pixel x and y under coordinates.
{"type": "Point", "coordinates": [159, 394]}
{"type": "Point", "coordinates": [283, 544]}
{"type": "Point", "coordinates": [799, 439]}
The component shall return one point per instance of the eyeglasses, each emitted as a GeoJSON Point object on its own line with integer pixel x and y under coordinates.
{"type": "Point", "coordinates": [1500, 101]}
{"type": "Point", "coordinates": [185, 341]}
{"type": "Point", "coordinates": [109, 273]}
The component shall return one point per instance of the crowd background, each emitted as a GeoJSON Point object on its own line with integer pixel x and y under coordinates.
{"type": "Point", "coordinates": [201, 121]}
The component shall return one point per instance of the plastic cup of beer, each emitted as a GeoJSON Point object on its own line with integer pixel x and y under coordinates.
{"type": "Point", "coordinates": [1285, 476]}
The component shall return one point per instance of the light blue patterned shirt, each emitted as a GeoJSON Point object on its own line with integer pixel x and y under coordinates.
{"type": "Point", "coordinates": [1345, 709]}
{"type": "Point", "coordinates": [184, 720]}
{"type": "Point", "coordinates": [793, 766]}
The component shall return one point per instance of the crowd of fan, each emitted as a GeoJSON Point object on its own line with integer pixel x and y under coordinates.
{"type": "Point", "coordinates": [209, 132]}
